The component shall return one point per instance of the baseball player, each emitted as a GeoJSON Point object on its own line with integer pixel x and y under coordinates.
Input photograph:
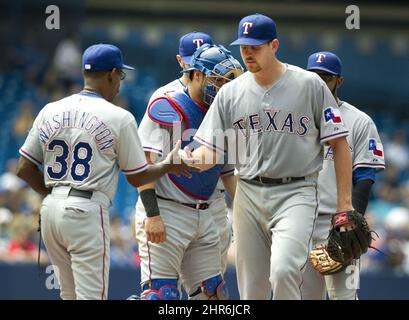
{"type": "Point", "coordinates": [178, 237]}
{"type": "Point", "coordinates": [367, 160]}
{"type": "Point", "coordinates": [82, 141]}
{"type": "Point", "coordinates": [276, 114]}
{"type": "Point", "coordinates": [188, 44]}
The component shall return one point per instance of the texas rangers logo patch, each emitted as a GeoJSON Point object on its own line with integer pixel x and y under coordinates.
{"type": "Point", "coordinates": [332, 115]}
{"type": "Point", "coordinates": [375, 148]}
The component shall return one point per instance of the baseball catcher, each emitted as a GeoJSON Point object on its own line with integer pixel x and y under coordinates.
{"type": "Point", "coordinates": [348, 239]}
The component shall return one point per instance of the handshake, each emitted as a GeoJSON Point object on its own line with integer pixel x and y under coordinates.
{"type": "Point", "coordinates": [182, 162]}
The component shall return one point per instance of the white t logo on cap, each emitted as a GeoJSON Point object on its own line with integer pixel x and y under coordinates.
{"type": "Point", "coordinates": [246, 26]}
{"type": "Point", "coordinates": [198, 42]}
{"type": "Point", "coordinates": [320, 57]}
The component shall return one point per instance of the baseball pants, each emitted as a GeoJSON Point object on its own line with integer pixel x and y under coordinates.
{"type": "Point", "coordinates": [191, 251]}
{"type": "Point", "coordinates": [273, 227]}
{"type": "Point", "coordinates": [76, 234]}
{"type": "Point", "coordinates": [340, 286]}
{"type": "Point", "coordinates": [223, 225]}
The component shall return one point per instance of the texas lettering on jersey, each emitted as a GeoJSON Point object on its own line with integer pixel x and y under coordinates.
{"type": "Point", "coordinates": [274, 122]}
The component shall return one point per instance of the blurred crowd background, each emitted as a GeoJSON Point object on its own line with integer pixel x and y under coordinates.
{"type": "Point", "coordinates": [39, 65]}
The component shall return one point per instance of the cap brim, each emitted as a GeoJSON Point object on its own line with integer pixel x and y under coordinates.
{"type": "Point", "coordinates": [125, 66]}
{"type": "Point", "coordinates": [187, 59]}
{"type": "Point", "coordinates": [248, 42]}
{"type": "Point", "coordinates": [323, 69]}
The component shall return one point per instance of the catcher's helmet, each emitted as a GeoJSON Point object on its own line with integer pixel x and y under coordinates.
{"type": "Point", "coordinates": [215, 62]}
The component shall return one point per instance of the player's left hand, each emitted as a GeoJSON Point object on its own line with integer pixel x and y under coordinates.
{"type": "Point", "coordinates": [186, 156]}
{"type": "Point", "coordinates": [349, 237]}
{"type": "Point", "coordinates": [155, 229]}
{"type": "Point", "coordinates": [344, 225]}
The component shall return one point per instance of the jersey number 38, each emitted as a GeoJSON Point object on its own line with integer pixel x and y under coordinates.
{"type": "Point", "coordinates": [77, 162]}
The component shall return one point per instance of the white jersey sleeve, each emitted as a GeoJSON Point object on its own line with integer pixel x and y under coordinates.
{"type": "Point", "coordinates": [332, 125]}
{"type": "Point", "coordinates": [212, 128]}
{"type": "Point", "coordinates": [154, 137]}
{"type": "Point", "coordinates": [31, 148]}
{"type": "Point", "coordinates": [368, 150]}
{"type": "Point", "coordinates": [131, 158]}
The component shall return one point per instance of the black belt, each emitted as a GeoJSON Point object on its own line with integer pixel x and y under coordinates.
{"type": "Point", "coordinates": [200, 206]}
{"type": "Point", "coordinates": [80, 193]}
{"type": "Point", "coordinates": [270, 181]}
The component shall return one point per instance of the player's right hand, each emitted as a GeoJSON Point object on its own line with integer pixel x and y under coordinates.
{"type": "Point", "coordinates": [178, 164]}
{"type": "Point", "coordinates": [155, 229]}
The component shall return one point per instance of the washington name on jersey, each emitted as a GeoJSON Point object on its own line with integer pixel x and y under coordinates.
{"type": "Point", "coordinates": [86, 121]}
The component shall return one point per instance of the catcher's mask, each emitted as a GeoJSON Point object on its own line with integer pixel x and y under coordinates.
{"type": "Point", "coordinates": [218, 66]}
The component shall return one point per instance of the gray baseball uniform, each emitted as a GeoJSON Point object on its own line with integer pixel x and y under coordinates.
{"type": "Point", "coordinates": [367, 152]}
{"type": "Point", "coordinates": [280, 130]}
{"type": "Point", "coordinates": [196, 239]}
{"type": "Point", "coordinates": [82, 140]}
{"type": "Point", "coordinates": [150, 133]}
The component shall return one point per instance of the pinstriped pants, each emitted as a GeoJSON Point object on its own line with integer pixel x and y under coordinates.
{"type": "Point", "coordinates": [273, 228]}
{"type": "Point", "coordinates": [76, 234]}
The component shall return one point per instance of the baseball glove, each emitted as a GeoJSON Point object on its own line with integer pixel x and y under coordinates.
{"type": "Point", "coordinates": [323, 263]}
{"type": "Point", "coordinates": [346, 245]}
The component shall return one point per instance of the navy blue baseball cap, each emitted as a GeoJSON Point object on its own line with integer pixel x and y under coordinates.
{"type": "Point", "coordinates": [325, 61]}
{"type": "Point", "coordinates": [255, 30]}
{"type": "Point", "coordinates": [190, 42]}
{"type": "Point", "coordinates": [103, 57]}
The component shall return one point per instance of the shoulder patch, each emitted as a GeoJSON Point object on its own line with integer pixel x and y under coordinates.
{"type": "Point", "coordinates": [332, 115]}
{"type": "Point", "coordinates": [375, 147]}
{"type": "Point", "coordinates": [163, 112]}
